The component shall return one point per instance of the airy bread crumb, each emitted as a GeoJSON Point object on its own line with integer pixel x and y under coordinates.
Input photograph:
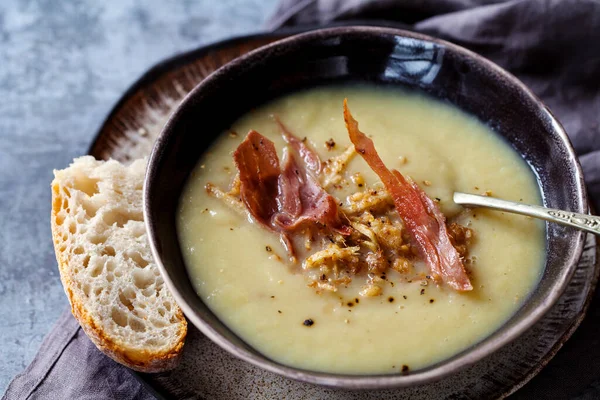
{"type": "Point", "coordinates": [106, 266]}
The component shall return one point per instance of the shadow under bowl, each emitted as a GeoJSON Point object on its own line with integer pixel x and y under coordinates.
{"type": "Point", "coordinates": [382, 56]}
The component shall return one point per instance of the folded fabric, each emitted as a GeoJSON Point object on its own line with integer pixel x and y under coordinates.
{"type": "Point", "coordinates": [69, 366]}
{"type": "Point", "coordinates": [552, 46]}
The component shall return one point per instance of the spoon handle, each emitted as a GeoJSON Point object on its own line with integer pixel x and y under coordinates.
{"type": "Point", "coordinates": [588, 223]}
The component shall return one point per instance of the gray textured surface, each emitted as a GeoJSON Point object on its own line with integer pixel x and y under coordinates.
{"type": "Point", "coordinates": [62, 67]}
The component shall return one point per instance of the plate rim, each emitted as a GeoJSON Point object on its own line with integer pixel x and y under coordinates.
{"type": "Point", "coordinates": [438, 371]}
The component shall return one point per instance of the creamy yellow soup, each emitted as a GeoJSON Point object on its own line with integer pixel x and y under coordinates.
{"type": "Point", "coordinates": [239, 269]}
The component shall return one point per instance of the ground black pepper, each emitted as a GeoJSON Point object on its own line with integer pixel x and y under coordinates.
{"type": "Point", "coordinates": [308, 322]}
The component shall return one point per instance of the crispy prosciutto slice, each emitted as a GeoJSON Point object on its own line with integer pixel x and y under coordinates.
{"type": "Point", "coordinates": [422, 217]}
{"type": "Point", "coordinates": [299, 184]}
{"type": "Point", "coordinates": [301, 199]}
{"type": "Point", "coordinates": [311, 159]}
{"type": "Point", "coordinates": [283, 200]}
{"type": "Point", "coordinates": [258, 166]}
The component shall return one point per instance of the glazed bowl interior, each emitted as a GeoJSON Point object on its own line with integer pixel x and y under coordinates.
{"type": "Point", "coordinates": [381, 56]}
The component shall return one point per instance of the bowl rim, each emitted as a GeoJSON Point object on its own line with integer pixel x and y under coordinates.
{"type": "Point", "coordinates": [465, 358]}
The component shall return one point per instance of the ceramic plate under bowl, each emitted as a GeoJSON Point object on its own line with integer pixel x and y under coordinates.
{"type": "Point", "coordinates": [381, 56]}
{"type": "Point", "coordinates": [208, 371]}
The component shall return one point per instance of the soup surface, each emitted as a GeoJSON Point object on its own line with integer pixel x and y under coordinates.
{"type": "Point", "coordinates": [240, 269]}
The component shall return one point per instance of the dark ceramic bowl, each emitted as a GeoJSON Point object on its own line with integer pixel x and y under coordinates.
{"type": "Point", "coordinates": [381, 56]}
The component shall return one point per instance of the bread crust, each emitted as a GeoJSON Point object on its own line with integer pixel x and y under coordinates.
{"type": "Point", "coordinates": [144, 360]}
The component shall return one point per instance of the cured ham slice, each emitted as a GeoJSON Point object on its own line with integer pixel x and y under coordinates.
{"type": "Point", "coordinates": [301, 199]}
{"type": "Point", "coordinates": [450, 261]}
{"type": "Point", "coordinates": [258, 166]}
{"type": "Point", "coordinates": [311, 159]}
{"type": "Point", "coordinates": [422, 217]}
{"type": "Point", "coordinates": [283, 200]}
{"type": "Point", "coordinates": [317, 204]}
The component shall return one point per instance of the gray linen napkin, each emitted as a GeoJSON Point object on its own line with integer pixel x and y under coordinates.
{"type": "Point", "coordinates": [553, 46]}
{"type": "Point", "coordinates": [69, 366]}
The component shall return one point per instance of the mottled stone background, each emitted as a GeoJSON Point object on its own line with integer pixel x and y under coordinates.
{"type": "Point", "coordinates": [63, 64]}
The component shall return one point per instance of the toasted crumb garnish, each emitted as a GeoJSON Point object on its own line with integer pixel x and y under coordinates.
{"type": "Point", "coordinates": [231, 198]}
{"type": "Point", "coordinates": [371, 291]}
{"type": "Point", "coordinates": [334, 167]}
{"type": "Point", "coordinates": [461, 238]}
{"type": "Point", "coordinates": [401, 265]}
{"type": "Point", "coordinates": [323, 286]}
{"type": "Point", "coordinates": [358, 179]}
{"type": "Point", "coordinates": [330, 255]}
{"type": "Point", "coordinates": [371, 199]}
{"type": "Point", "coordinates": [377, 244]}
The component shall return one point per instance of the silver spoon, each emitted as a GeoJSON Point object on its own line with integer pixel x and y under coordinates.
{"type": "Point", "coordinates": [588, 223]}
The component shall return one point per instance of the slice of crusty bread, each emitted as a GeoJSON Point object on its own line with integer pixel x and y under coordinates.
{"type": "Point", "coordinates": [106, 266]}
